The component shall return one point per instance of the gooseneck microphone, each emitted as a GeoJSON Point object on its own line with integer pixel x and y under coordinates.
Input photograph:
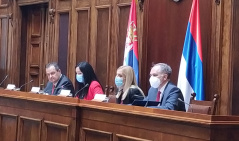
{"type": "Point", "coordinates": [186, 104]}
{"type": "Point", "coordinates": [76, 94]}
{"type": "Point", "coordinates": [146, 104]}
{"type": "Point", "coordinates": [18, 89]}
{"type": "Point", "coordinates": [4, 80]}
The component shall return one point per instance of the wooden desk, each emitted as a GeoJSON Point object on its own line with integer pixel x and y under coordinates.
{"type": "Point", "coordinates": [33, 117]}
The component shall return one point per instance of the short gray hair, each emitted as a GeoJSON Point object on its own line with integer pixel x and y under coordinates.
{"type": "Point", "coordinates": [53, 64]}
{"type": "Point", "coordinates": [164, 68]}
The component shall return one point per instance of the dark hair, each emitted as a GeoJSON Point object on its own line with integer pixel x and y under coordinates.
{"type": "Point", "coordinates": [89, 76]}
{"type": "Point", "coordinates": [53, 64]}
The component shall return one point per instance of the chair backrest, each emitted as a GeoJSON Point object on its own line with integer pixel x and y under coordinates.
{"type": "Point", "coordinates": [203, 107]}
{"type": "Point", "coordinates": [112, 99]}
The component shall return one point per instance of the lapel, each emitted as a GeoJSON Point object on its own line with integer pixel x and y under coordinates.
{"type": "Point", "coordinates": [152, 94]}
{"type": "Point", "coordinates": [165, 93]}
{"type": "Point", "coordinates": [59, 82]}
{"type": "Point", "coordinates": [58, 85]}
{"type": "Point", "coordinates": [50, 88]}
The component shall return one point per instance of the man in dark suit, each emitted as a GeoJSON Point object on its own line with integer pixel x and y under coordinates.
{"type": "Point", "coordinates": [57, 81]}
{"type": "Point", "coordinates": [163, 90]}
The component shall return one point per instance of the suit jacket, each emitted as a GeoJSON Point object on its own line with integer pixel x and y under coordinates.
{"type": "Point", "coordinates": [133, 94]}
{"type": "Point", "coordinates": [169, 99]}
{"type": "Point", "coordinates": [63, 83]}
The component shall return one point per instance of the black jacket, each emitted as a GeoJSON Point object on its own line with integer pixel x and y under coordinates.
{"type": "Point", "coordinates": [133, 94]}
{"type": "Point", "coordinates": [63, 83]}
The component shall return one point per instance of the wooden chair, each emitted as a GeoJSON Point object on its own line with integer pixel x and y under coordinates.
{"type": "Point", "coordinates": [112, 99]}
{"type": "Point", "coordinates": [203, 107]}
{"type": "Point", "coordinates": [110, 94]}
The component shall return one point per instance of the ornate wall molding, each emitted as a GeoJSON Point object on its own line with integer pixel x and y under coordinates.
{"type": "Point", "coordinates": [141, 5]}
{"type": "Point", "coordinates": [217, 2]}
{"type": "Point", "coordinates": [52, 15]}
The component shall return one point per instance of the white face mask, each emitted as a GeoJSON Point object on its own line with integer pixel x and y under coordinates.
{"type": "Point", "coordinates": [154, 81]}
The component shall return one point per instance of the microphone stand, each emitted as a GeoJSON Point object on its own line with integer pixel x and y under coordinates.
{"type": "Point", "coordinates": [76, 94]}
{"type": "Point", "coordinates": [4, 80]}
{"type": "Point", "coordinates": [147, 102]}
{"type": "Point", "coordinates": [186, 104]}
{"type": "Point", "coordinates": [18, 89]}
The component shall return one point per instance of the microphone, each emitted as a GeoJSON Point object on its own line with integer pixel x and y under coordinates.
{"type": "Point", "coordinates": [4, 80]}
{"type": "Point", "coordinates": [76, 94]}
{"type": "Point", "coordinates": [186, 104]}
{"type": "Point", "coordinates": [18, 89]}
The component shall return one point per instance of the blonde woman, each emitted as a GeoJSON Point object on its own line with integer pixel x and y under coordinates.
{"type": "Point", "coordinates": [128, 91]}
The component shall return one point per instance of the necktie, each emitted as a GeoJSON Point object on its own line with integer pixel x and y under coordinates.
{"type": "Point", "coordinates": [53, 88]}
{"type": "Point", "coordinates": [158, 96]}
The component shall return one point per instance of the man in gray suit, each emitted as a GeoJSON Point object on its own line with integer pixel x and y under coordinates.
{"type": "Point", "coordinates": [163, 90]}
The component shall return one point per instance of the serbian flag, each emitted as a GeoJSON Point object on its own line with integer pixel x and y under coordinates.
{"type": "Point", "coordinates": [190, 77]}
{"type": "Point", "coordinates": [131, 45]}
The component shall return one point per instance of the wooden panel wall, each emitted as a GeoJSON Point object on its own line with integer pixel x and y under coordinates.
{"type": "Point", "coordinates": [83, 29]}
{"type": "Point", "coordinates": [103, 43]}
{"type": "Point", "coordinates": [161, 36]}
{"type": "Point", "coordinates": [165, 33]}
{"type": "Point", "coordinates": [62, 23]}
{"type": "Point", "coordinates": [95, 32]}
{"type": "Point", "coordinates": [63, 41]}
{"type": "Point", "coordinates": [35, 43]}
{"type": "Point", "coordinates": [220, 74]}
{"type": "Point", "coordinates": [235, 58]}
{"type": "Point", "coordinates": [23, 49]}
{"type": "Point", "coordinates": [123, 22]}
{"type": "Point", "coordinates": [3, 49]}
{"type": "Point", "coordinates": [100, 36]}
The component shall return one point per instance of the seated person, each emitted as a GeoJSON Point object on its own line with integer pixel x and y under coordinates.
{"type": "Point", "coordinates": [88, 83]}
{"type": "Point", "coordinates": [163, 90]}
{"type": "Point", "coordinates": [128, 91]}
{"type": "Point", "coordinates": [57, 81]}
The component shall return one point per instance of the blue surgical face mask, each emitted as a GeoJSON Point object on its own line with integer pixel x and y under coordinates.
{"type": "Point", "coordinates": [80, 78]}
{"type": "Point", "coordinates": [119, 81]}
